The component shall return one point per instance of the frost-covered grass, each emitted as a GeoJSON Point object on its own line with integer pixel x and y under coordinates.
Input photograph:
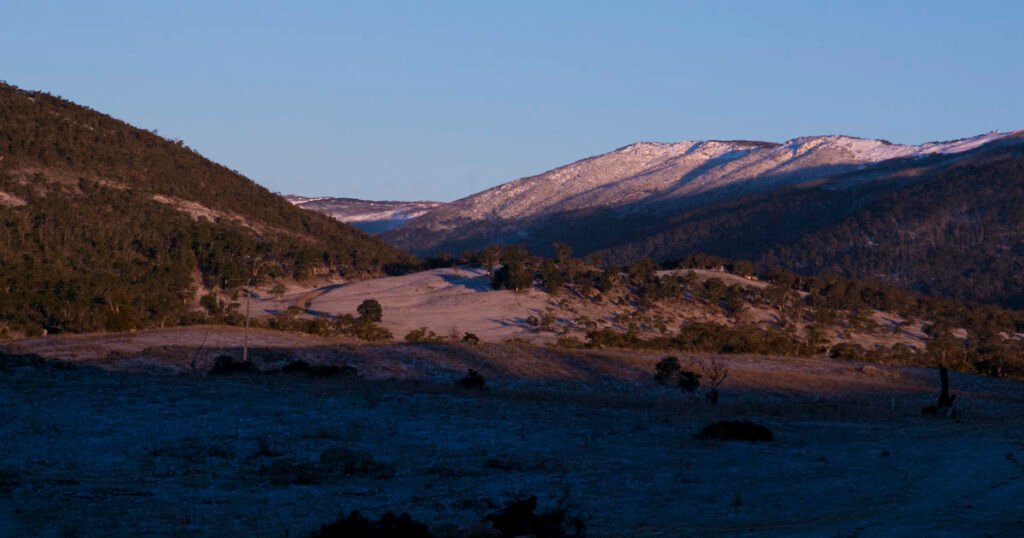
{"type": "Point", "coordinates": [88, 452]}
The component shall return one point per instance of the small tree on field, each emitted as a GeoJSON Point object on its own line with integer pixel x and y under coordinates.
{"type": "Point", "coordinates": [716, 373]}
{"type": "Point", "coordinates": [370, 311]}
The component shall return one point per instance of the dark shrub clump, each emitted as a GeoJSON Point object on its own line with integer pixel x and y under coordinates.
{"type": "Point", "coordinates": [666, 369]}
{"type": "Point", "coordinates": [518, 519]}
{"type": "Point", "coordinates": [735, 430]}
{"type": "Point", "coordinates": [688, 381]}
{"type": "Point", "coordinates": [472, 381]}
{"type": "Point", "coordinates": [388, 526]}
{"type": "Point", "coordinates": [304, 368]}
{"type": "Point", "coordinates": [226, 365]}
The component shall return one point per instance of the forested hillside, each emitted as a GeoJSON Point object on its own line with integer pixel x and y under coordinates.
{"type": "Point", "coordinates": [958, 232]}
{"type": "Point", "coordinates": [107, 226]}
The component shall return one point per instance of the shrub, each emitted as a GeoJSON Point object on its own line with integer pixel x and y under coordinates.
{"type": "Point", "coordinates": [847, 351]}
{"type": "Point", "coordinates": [471, 339]}
{"type": "Point", "coordinates": [688, 381]}
{"type": "Point", "coordinates": [472, 381]}
{"type": "Point", "coordinates": [518, 519]}
{"type": "Point", "coordinates": [226, 365]}
{"type": "Point", "coordinates": [423, 335]}
{"type": "Point", "coordinates": [388, 526]}
{"type": "Point", "coordinates": [570, 342]}
{"type": "Point", "coordinates": [735, 430]}
{"type": "Point", "coordinates": [304, 368]}
{"type": "Point", "coordinates": [666, 369]}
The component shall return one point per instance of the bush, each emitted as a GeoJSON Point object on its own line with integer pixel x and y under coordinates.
{"type": "Point", "coordinates": [226, 365]}
{"type": "Point", "coordinates": [688, 381]}
{"type": "Point", "coordinates": [304, 368]}
{"type": "Point", "coordinates": [472, 381]}
{"type": "Point", "coordinates": [388, 526]}
{"type": "Point", "coordinates": [518, 519]}
{"type": "Point", "coordinates": [735, 430]}
{"type": "Point", "coordinates": [471, 339]}
{"type": "Point", "coordinates": [666, 369]}
{"type": "Point", "coordinates": [423, 335]}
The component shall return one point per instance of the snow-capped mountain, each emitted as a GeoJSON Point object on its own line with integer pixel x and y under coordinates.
{"type": "Point", "coordinates": [655, 178]}
{"type": "Point", "coordinates": [370, 216]}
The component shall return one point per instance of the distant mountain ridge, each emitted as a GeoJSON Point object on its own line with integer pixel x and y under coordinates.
{"type": "Point", "coordinates": [653, 178]}
{"type": "Point", "coordinates": [944, 218]}
{"type": "Point", "coordinates": [370, 216]}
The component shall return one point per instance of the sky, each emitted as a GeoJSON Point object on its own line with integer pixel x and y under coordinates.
{"type": "Point", "coordinates": [438, 100]}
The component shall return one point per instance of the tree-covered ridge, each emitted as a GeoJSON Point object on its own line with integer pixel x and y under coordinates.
{"type": "Point", "coordinates": [89, 240]}
{"type": "Point", "coordinates": [956, 233]}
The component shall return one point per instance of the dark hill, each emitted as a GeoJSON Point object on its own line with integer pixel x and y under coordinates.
{"type": "Point", "coordinates": [107, 226]}
{"type": "Point", "coordinates": [955, 231]}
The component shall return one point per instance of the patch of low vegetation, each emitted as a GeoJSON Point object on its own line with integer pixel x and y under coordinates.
{"type": "Point", "coordinates": [388, 526]}
{"type": "Point", "coordinates": [9, 361]}
{"type": "Point", "coordinates": [423, 335]}
{"type": "Point", "coordinates": [518, 518]}
{"type": "Point", "coordinates": [666, 370]}
{"type": "Point", "coordinates": [10, 480]}
{"type": "Point", "coordinates": [473, 380]}
{"type": "Point", "coordinates": [227, 365]}
{"type": "Point", "coordinates": [735, 430]}
{"type": "Point", "coordinates": [333, 465]}
{"type": "Point", "coordinates": [365, 326]}
{"type": "Point", "coordinates": [317, 372]}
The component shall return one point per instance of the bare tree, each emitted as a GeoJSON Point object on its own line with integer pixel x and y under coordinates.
{"type": "Point", "coordinates": [715, 373]}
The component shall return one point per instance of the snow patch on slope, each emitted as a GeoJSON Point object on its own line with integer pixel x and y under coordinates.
{"type": "Point", "coordinates": [652, 177]}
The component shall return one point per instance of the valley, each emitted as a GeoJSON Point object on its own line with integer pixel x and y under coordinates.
{"type": "Point", "coordinates": [185, 353]}
{"type": "Point", "coordinates": [122, 450]}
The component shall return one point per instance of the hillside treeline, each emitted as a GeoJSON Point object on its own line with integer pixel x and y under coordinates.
{"type": "Point", "coordinates": [94, 234]}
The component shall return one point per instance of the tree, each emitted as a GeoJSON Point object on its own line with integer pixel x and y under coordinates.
{"type": "Point", "coordinates": [551, 276]}
{"type": "Point", "coordinates": [370, 311]}
{"type": "Point", "coordinates": [490, 256]}
{"type": "Point", "coordinates": [716, 373]}
{"type": "Point", "coordinates": [514, 273]}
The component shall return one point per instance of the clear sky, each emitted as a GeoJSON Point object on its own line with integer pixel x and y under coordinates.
{"type": "Point", "coordinates": [437, 100]}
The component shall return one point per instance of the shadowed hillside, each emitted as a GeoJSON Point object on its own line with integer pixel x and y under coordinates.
{"type": "Point", "coordinates": [104, 226]}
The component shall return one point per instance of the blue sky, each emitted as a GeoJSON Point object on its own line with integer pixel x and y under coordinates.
{"type": "Point", "coordinates": [437, 100]}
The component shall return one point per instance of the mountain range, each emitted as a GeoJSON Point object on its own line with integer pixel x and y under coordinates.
{"type": "Point", "coordinates": [372, 217]}
{"type": "Point", "coordinates": [944, 218]}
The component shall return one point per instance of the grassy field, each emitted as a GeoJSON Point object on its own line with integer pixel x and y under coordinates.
{"type": "Point", "coordinates": [133, 444]}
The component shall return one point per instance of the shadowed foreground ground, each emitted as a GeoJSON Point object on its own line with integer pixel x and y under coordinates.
{"type": "Point", "coordinates": [91, 452]}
